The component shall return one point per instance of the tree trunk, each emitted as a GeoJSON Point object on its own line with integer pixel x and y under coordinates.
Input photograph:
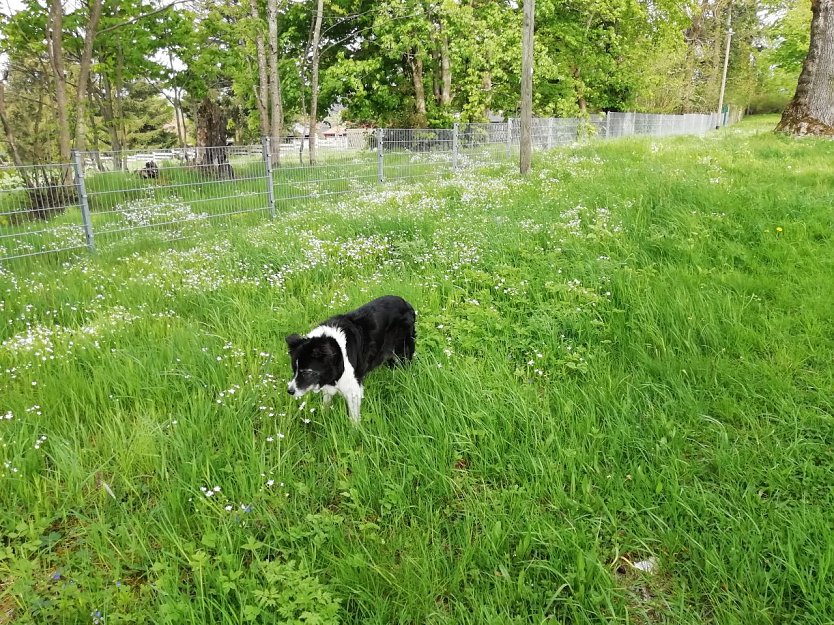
{"type": "Point", "coordinates": [314, 83]}
{"type": "Point", "coordinates": [435, 77]}
{"type": "Point", "coordinates": [811, 111]}
{"type": "Point", "coordinates": [56, 52]}
{"type": "Point", "coordinates": [84, 75]}
{"type": "Point", "coordinates": [262, 94]}
{"type": "Point", "coordinates": [526, 140]}
{"type": "Point", "coordinates": [11, 140]}
{"type": "Point", "coordinates": [108, 112]}
{"type": "Point", "coordinates": [118, 109]}
{"type": "Point", "coordinates": [303, 99]}
{"type": "Point", "coordinates": [445, 71]}
{"type": "Point", "coordinates": [179, 114]}
{"type": "Point", "coordinates": [726, 65]}
{"type": "Point", "coordinates": [95, 144]}
{"type": "Point", "coordinates": [275, 82]}
{"type": "Point", "coordinates": [179, 121]}
{"type": "Point", "coordinates": [419, 91]}
{"type": "Point", "coordinates": [486, 86]}
{"type": "Point", "coordinates": [580, 91]}
{"type": "Point", "coordinates": [40, 153]}
{"type": "Point", "coordinates": [49, 194]}
{"type": "Point", "coordinates": [212, 153]}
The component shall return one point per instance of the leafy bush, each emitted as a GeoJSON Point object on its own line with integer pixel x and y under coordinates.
{"type": "Point", "coordinates": [768, 103]}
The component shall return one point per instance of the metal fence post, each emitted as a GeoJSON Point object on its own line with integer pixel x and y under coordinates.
{"type": "Point", "coordinates": [380, 158]}
{"type": "Point", "coordinates": [608, 124]}
{"type": "Point", "coordinates": [455, 127]}
{"type": "Point", "coordinates": [78, 166]}
{"type": "Point", "coordinates": [509, 137]}
{"type": "Point", "coordinates": [270, 190]}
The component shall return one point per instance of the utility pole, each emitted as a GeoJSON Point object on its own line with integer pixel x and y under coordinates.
{"type": "Point", "coordinates": [526, 139]}
{"type": "Point", "coordinates": [726, 62]}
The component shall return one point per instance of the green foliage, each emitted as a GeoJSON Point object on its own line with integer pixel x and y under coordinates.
{"type": "Point", "coordinates": [591, 55]}
{"type": "Point", "coordinates": [786, 43]}
{"type": "Point", "coordinates": [792, 36]}
{"type": "Point", "coordinates": [145, 116]}
{"type": "Point", "coordinates": [51, 586]}
{"type": "Point", "coordinates": [768, 103]}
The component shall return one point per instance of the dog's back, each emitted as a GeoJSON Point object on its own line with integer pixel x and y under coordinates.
{"type": "Point", "coordinates": [383, 330]}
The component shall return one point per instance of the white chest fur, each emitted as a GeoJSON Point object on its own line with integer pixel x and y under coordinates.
{"type": "Point", "coordinates": [347, 385]}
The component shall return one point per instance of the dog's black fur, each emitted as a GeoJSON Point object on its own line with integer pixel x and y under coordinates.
{"type": "Point", "coordinates": [381, 331]}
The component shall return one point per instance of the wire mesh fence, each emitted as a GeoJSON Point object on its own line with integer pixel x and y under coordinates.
{"type": "Point", "coordinates": [342, 164]}
{"type": "Point", "coordinates": [409, 153]}
{"type": "Point", "coordinates": [104, 199]}
{"type": "Point", "coordinates": [172, 194]}
{"type": "Point", "coordinates": [39, 211]}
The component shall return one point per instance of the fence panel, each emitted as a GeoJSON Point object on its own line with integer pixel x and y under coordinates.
{"type": "Point", "coordinates": [170, 194]}
{"type": "Point", "coordinates": [482, 143]}
{"type": "Point", "coordinates": [417, 152]}
{"type": "Point", "coordinates": [104, 198]}
{"type": "Point", "coordinates": [39, 211]}
{"type": "Point", "coordinates": [344, 163]}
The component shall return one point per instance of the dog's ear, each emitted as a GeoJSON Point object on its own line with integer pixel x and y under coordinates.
{"type": "Point", "coordinates": [325, 350]}
{"type": "Point", "coordinates": [293, 341]}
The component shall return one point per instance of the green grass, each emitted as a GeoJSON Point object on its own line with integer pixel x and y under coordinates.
{"type": "Point", "coordinates": [619, 358]}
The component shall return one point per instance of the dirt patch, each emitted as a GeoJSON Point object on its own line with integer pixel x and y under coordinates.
{"type": "Point", "coordinates": [645, 586]}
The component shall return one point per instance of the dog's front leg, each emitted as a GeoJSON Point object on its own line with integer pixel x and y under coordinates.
{"type": "Point", "coordinates": [327, 393]}
{"type": "Point", "coordinates": [352, 392]}
{"type": "Point", "coordinates": [354, 402]}
{"type": "Point", "coordinates": [351, 389]}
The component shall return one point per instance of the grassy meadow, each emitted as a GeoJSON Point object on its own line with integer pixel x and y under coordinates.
{"type": "Point", "coordinates": [626, 358]}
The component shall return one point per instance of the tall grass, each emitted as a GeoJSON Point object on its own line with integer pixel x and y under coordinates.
{"type": "Point", "coordinates": [624, 359]}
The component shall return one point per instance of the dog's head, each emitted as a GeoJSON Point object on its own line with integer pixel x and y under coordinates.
{"type": "Point", "coordinates": [316, 362]}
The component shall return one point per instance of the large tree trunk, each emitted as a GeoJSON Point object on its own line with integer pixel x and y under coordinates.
{"type": "Point", "coordinates": [811, 112]}
{"type": "Point", "coordinates": [212, 153]}
{"type": "Point", "coordinates": [314, 83]}
{"type": "Point", "coordinates": [262, 94]}
{"type": "Point", "coordinates": [84, 75]}
{"type": "Point", "coordinates": [56, 55]}
{"type": "Point", "coordinates": [275, 82]}
{"type": "Point", "coordinates": [416, 62]}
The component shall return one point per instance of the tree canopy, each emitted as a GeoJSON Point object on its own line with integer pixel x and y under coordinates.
{"type": "Point", "coordinates": [397, 63]}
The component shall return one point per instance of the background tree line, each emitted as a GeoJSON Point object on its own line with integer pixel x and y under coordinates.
{"type": "Point", "coordinates": [106, 75]}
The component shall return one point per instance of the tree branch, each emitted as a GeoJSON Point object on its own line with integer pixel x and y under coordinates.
{"type": "Point", "coordinates": [141, 17]}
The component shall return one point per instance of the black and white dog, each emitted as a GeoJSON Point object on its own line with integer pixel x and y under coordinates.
{"type": "Point", "coordinates": [337, 355]}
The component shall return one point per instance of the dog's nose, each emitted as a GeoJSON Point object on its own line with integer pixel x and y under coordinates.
{"type": "Point", "coordinates": [290, 391]}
